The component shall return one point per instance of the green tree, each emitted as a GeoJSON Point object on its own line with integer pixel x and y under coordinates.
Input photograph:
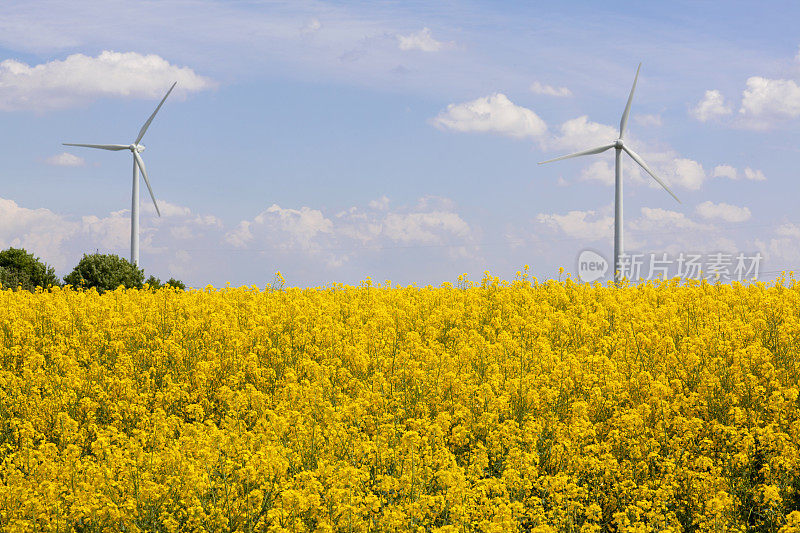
{"type": "Point", "coordinates": [176, 284]}
{"type": "Point", "coordinates": [155, 283]}
{"type": "Point", "coordinates": [19, 268]}
{"type": "Point", "coordinates": [105, 273]}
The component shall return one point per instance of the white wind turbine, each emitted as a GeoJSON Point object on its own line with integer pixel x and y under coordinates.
{"type": "Point", "coordinates": [620, 146]}
{"type": "Point", "coordinates": [138, 164]}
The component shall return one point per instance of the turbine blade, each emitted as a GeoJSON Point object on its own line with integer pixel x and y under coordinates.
{"type": "Point", "coordinates": [578, 154]}
{"type": "Point", "coordinates": [624, 122]}
{"type": "Point", "coordinates": [114, 147]}
{"type": "Point", "coordinates": [140, 164]}
{"type": "Point", "coordinates": [149, 120]}
{"type": "Point", "coordinates": [642, 164]}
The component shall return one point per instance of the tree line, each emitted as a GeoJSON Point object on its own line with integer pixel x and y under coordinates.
{"type": "Point", "coordinates": [104, 272]}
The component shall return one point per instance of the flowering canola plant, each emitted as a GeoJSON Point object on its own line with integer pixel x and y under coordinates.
{"type": "Point", "coordinates": [491, 406]}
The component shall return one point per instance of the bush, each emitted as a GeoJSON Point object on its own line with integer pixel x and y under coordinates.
{"type": "Point", "coordinates": [105, 273]}
{"type": "Point", "coordinates": [20, 269]}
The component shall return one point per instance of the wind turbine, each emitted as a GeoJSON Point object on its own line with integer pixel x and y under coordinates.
{"type": "Point", "coordinates": [619, 146]}
{"type": "Point", "coordinates": [138, 164]}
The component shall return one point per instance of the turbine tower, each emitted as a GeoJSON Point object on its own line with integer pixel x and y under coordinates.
{"type": "Point", "coordinates": [138, 164]}
{"type": "Point", "coordinates": [620, 146]}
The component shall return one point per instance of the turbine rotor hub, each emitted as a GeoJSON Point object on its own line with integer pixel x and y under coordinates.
{"type": "Point", "coordinates": [618, 144]}
{"type": "Point", "coordinates": [136, 147]}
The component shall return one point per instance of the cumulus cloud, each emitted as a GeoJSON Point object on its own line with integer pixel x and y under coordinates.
{"type": "Point", "coordinates": [422, 40]}
{"type": "Point", "coordinates": [65, 160]}
{"type": "Point", "coordinates": [497, 114]}
{"type": "Point", "coordinates": [788, 230]}
{"type": "Point", "coordinates": [40, 231]}
{"type": "Point", "coordinates": [334, 238]}
{"type": "Point", "coordinates": [300, 226]}
{"type": "Point", "coordinates": [687, 173]}
{"type": "Point", "coordinates": [725, 171]}
{"type": "Point", "coordinates": [491, 114]}
{"type": "Point", "coordinates": [765, 99]}
{"type": "Point", "coordinates": [730, 172]}
{"type": "Point", "coordinates": [581, 133]}
{"type": "Point", "coordinates": [589, 225]}
{"type": "Point", "coordinates": [423, 227]}
{"type": "Point", "coordinates": [79, 79]}
{"type": "Point", "coordinates": [654, 230]}
{"type": "Point", "coordinates": [603, 171]}
{"type": "Point", "coordinates": [380, 203]}
{"type": "Point", "coordinates": [782, 246]}
{"type": "Point", "coordinates": [549, 90]}
{"type": "Point", "coordinates": [61, 239]}
{"type": "Point", "coordinates": [722, 211]}
{"type": "Point", "coordinates": [663, 218]}
{"type": "Point", "coordinates": [167, 209]}
{"type": "Point", "coordinates": [755, 175]}
{"type": "Point", "coordinates": [712, 106]}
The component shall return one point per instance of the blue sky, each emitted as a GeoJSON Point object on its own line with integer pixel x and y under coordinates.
{"type": "Point", "coordinates": [338, 140]}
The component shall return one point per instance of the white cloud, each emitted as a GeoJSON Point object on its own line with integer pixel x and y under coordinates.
{"type": "Point", "coordinates": [335, 239]}
{"type": "Point", "coordinates": [112, 232]}
{"type": "Point", "coordinates": [726, 212]}
{"type": "Point", "coordinates": [655, 229]}
{"type": "Point", "coordinates": [730, 172]}
{"type": "Point", "coordinates": [587, 225]}
{"type": "Point", "coordinates": [39, 231]}
{"type": "Point", "coordinates": [647, 120]}
{"type": "Point", "coordinates": [725, 171]}
{"type": "Point", "coordinates": [60, 240]}
{"type": "Point", "coordinates": [580, 134]}
{"type": "Point", "coordinates": [492, 114]}
{"type": "Point", "coordinates": [764, 99]}
{"type": "Point", "coordinates": [711, 106]}
{"type": "Point", "coordinates": [603, 171]}
{"type": "Point", "coordinates": [79, 79]}
{"type": "Point", "coordinates": [301, 225]}
{"type": "Point", "coordinates": [788, 230]}
{"type": "Point", "coordinates": [65, 160]}
{"type": "Point", "coordinates": [422, 40]}
{"type": "Point", "coordinates": [423, 227]}
{"type": "Point", "coordinates": [380, 203]}
{"type": "Point", "coordinates": [549, 90]}
{"type": "Point", "coordinates": [167, 209]}
{"type": "Point", "coordinates": [755, 175]}
{"type": "Point", "coordinates": [600, 171]}
{"type": "Point", "coordinates": [241, 235]}
{"type": "Point", "coordinates": [783, 246]}
{"type": "Point", "coordinates": [687, 173]}
{"type": "Point", "coordinates": [664, 218]}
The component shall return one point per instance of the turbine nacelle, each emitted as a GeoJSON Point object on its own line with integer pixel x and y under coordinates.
{"type": "Point", "coordinates": [136, 147]}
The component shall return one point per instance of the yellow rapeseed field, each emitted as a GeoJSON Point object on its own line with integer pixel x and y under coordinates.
{"type": "Point", "coordinates": [491, 406]}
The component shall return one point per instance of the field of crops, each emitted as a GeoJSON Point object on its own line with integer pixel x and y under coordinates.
{"type": "Point", "coordinates": [493, 406]}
